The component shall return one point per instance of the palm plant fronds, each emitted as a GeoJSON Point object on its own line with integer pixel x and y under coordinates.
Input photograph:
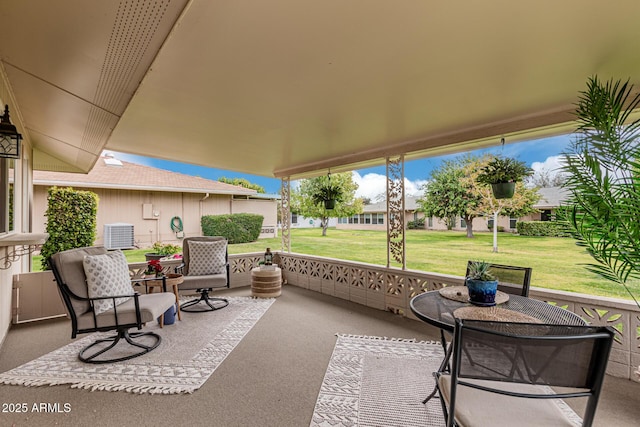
{"type": "Point", "coordinates": [603, 168]}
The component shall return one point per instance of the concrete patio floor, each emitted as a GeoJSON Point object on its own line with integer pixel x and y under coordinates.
{"type": "Point", "coordinates": [271, 378]}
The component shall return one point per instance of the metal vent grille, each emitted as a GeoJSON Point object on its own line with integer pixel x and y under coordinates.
{"type": "Point", "coordinates": [118, 236]}
{"type": "Point", "coordinates": [126, 60]}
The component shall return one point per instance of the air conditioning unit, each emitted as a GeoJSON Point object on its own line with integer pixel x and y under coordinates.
{"type": "Point", "coordinates": [118, 236]}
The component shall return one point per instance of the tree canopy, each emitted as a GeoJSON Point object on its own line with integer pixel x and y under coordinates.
{"type": "Point", "coordinates": [242, 182]}
{"type": "Point", "coordinates": [453, 191]}
{"type": "Point", "coordinates": [307, 199]}
{"type": "Point", "coordinates": [519, 205]}
{"type": "Point", "coordinates": [447, 196]}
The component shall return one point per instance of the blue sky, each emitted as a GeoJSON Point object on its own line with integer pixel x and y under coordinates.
{"type": "Point", "coordinates": [541, 153]}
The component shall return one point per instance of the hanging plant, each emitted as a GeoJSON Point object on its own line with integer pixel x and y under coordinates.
{"type": "Point", "coordinates": [502, 173]}
{"type": "Point", "coordinates": [328, 195]}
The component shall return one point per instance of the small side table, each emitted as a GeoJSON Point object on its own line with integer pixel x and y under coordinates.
{"type": "Point", "coordinates": [172, 280]}
{"type": "Point", "coordinates": [266, 283]}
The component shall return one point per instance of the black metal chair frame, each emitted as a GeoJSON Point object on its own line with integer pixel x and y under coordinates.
{"type": "Point", "coordinates": [603, 341]}
{"type": "Point", "coordinates": [122, 330]}
{"type": "Point", "coordinates": [524, 291]}
{"type": "Point", "coordinates": [191, 306]}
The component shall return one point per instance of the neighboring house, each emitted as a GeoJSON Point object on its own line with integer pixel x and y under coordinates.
{"type": "Point", "coordinates": [153, 199]}
{"type": "Point", "coordinates": [299, 221]}
{"type": "Point", "coordinates": [374, 216]}
{"type": "Point", "coordinates": [551, 198]}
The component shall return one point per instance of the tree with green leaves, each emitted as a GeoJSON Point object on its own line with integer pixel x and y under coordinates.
{"type": "Point", "coordinates": [519, 205]}
{"type": "Point", "coordinates": [242, 182]}
{"type": "Point", "coordinates": [308, 199]}
{"type": "Point", "coordinates": [447, 196]}
{"type": "Point", "coordinates": [71, 221]}
{"type": "Point", "coordinates": [603, 164]}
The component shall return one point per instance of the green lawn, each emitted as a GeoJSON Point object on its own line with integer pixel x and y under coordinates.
{"type": "Point", "coordinates": [556, 262]}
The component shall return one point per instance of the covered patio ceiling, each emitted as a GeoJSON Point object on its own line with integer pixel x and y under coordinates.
{"type": "Point", "coordinates": [290, 88]}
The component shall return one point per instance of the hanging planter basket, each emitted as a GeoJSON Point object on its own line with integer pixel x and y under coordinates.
{"type": "Point", "coordinates": [503, 190]}
{"type": "Point", "coordinates": [329, 204]}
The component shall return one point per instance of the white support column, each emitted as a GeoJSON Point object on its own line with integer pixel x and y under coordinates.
{"type": "Point", "coordinates": [395, 211]}
{"type": "Point", "coordinates": [285, 213]}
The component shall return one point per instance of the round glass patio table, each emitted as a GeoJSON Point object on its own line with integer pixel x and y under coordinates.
{"type": "Point", "coordinates": [433, 308]}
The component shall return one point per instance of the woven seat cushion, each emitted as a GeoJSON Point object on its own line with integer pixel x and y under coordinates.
{"type": "Point", "coordinates": [151, 307]}
{"type": "Point", "coordinates": [207, 257]}
{"type": "Point", "coordinates": [107, 276]}
{"type": "Point", "coordinates": [480, 408]}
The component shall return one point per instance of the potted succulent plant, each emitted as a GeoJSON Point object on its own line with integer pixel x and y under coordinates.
{"type": "Point", "coordinates": [482, 284]}
{"type": "Point", "coordinates": [503, 173]}
{"type": "Point", "coordinates": [161, 250]}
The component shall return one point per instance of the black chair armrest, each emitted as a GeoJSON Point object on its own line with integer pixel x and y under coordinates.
{"type": "Point", "coordinates": [180, 268]}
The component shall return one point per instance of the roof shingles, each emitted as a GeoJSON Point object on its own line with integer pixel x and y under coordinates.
{"type": "Point", "coordinates": [137, 177]}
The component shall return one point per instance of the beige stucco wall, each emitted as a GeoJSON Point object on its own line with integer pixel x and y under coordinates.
{"type": "Point", "coordinates": [126, 206]}
{"type": "Point", "coordinates": [266, 208]}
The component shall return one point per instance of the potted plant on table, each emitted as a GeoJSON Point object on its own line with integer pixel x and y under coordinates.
{"type": "Point", "coordinates": [482, 284]}
{"type": "Point", "coordinates": [161, 250]}
{"type": "Point", "coordinates": [503, 173]}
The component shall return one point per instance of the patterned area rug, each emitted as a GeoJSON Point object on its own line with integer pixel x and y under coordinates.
{"type": "Point", "coordinates": [190, 351]}
{"type": "Point", "coordinates": [374, 381]}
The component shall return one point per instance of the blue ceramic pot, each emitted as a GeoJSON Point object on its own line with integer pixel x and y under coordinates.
{"type": "Point", "coordinates": [482, 292]}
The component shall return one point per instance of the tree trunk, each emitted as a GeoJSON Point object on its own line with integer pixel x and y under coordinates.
{"type": "Point", "coordinates": [469, 221]}
{"type": "Point", "coordinates": [495, 232]}
{"type": "Point", "coordinates": [324, 223]}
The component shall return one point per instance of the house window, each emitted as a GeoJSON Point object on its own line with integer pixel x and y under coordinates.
{"type": "Point", "coordinates": [380, 218]}
{"type": "Point", "coordinates": [294, 218]}
{"type": "Point", "coordinates": [7, 196]}
{"type": "Point", "coordinates": [545, 215]}
{"type": "Point", "coordinates": [512, 222]}
{"type": "Point", "coordinates": [490, 224]}
{"type": "Point", "coordinates": [430, 222]}
{"type": "Point", "coordinates": [354, 219]}
{"type": "Point", "coordinates": [463, 223]}
{"type": "Point", "coordinates": [367, 218]}
{"type": "Point", "coordinates": [415, 216]}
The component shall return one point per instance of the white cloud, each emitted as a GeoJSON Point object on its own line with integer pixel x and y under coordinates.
{"type": "Point", "coordinates": [552, 164]}
{"type": "Point", "coordinates": [372, 185]}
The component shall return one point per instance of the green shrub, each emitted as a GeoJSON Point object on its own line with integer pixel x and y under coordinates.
{"type": "Point", "coordinates": [237, 228]}
{"type": "Point", "coordinates": [418, 224]}
{"type": "Point", "coordinates": [165, 248]}
{"type": "Point", "coordinates": [542, 228]}
{"type": "Point", "coordinates": [500, 229]}
{"type": "Point", "coordinates": [71, 221]}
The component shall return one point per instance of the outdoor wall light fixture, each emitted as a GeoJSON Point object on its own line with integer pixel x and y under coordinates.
{"type": "Point", "coordinates": [9, 137]}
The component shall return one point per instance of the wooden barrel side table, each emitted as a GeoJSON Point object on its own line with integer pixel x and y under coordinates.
{"type": "Point", "coordinates": [266, 283]}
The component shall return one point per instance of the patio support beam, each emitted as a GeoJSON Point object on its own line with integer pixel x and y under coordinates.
{"type": "Point", "coordinates": [395, 211]}
{"type": "Point", "coordinates": [285, 213]}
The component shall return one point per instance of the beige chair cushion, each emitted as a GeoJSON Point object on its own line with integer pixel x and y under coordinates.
{"type": "Point", "coordinates": [480, 408]}
{"type": "Point", "coordinates": [151, 307]}
{"type": "Point", "coordinates": [207, 258]}
{"type": "Point", "coordinates": [107, 276]}
{"type": "Point", "coordinates": [69, 266]}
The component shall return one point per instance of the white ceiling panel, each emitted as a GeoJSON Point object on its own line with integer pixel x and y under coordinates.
{"type": "Point", "coordinates": [290, 88]}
